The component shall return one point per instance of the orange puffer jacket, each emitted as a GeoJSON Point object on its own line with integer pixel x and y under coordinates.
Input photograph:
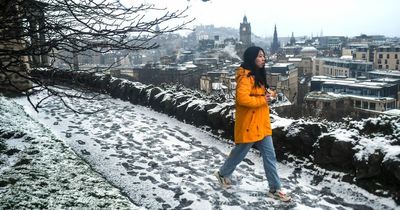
{"type": "Point", "coordinates": [252, 121]}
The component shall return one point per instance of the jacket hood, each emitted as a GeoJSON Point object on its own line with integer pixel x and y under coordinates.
{"type": "Point", "coordinates": [240, 72]}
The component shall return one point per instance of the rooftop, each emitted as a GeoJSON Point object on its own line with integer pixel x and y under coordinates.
{"type": "Point", "coordinates": [280, 65]}
{"type": "Point", "coordinates": [338, 60]}
{"type": "Point", "coordinates": [353, 82]}
{"type": "Point", "coordinates": [329, 96]}
{"type": "Point", "coordinates": [386, 72]}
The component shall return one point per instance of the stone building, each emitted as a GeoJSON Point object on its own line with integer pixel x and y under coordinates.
{"type": "Point", "coordinates": [284, 78]}
{"type": "Point", "coordinates": [383, 57]}
{"type": "Point", "coordinates": [336, 67]}
{"type": "Point", "coordinates": [218, 81]}
{"type": "Point", "coordinates": [14, 62]}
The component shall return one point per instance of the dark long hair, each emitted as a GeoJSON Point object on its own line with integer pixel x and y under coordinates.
{"type": "Point", "coordinates": [249, 62]}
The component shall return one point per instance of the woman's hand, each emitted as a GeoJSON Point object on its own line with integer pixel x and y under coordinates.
{"type": "Point", "coordinates": [270, 96]}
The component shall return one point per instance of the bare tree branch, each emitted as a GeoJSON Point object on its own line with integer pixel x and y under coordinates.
{"type": "Point", "coordinates": [43, 33]}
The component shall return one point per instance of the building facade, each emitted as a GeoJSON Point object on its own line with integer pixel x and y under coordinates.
{"type": "Point", "coordinates": [336, 67]}
{"type": "Point", "coordinates": [383, 57]}
{"type": "Point", "coordinates": [284, 78]}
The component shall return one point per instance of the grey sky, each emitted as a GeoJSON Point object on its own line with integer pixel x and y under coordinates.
{"type": "Point", "coordinates": [303, 17]}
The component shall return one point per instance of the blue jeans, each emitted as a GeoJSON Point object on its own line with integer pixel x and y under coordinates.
{"type": "Point", "coordinates": [266, 148]}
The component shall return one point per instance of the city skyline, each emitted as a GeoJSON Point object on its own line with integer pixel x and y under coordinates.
{"type": "Point", "coordinates": [303, 18]}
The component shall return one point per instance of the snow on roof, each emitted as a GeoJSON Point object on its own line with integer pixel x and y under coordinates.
{"type": "Point", "coordinates": [332, 96]}
{"type": "Point", "coordinates": [347, 57]}
{"type": "Point", "coordinates": [295, 59]}
{"type": "Point", "coordinates": [386, 72]}
{"type": "Point", "coordinates": [309, 50]}
{"type": "Point", "coordinates": [371, 85]}
{"type": "Point", "coordinates": [371, 98]}
{"type": "Point", "coordinates": [376, 84]}
{"type": "Point", "coordinates": [386, 79]}
{"type": "Point", "coordinates": [339, 60]}
{"type": "Point", "coordinates": [282, 64]}
{"type": "Point", "coordinates": [394, 112]}
{"type": "Point", "coordinates": [190, 65]}
{"type": "Point", "coordinates": [324, 95]}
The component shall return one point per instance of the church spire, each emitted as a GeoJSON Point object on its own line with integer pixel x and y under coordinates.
{"type": "Point", "coordinates": [292, 40]}
{"type": "Point", "coordinates": [275, 43]}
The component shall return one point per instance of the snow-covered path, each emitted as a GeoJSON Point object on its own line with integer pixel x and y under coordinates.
{"type": "Point", "coordinates": [160, 162]}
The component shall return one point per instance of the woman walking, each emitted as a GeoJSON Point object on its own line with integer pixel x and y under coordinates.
{"type": "Point", "coordinates": [252, 122]}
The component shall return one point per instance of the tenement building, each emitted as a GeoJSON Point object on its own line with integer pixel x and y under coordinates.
{"type": "Point", "coordinates": [284, 77]}
{"type": "Point", "coordinates": [384, 56]}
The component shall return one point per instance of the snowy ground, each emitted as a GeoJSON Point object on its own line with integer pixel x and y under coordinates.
{"type": "Point", "coordinates": [39, 171]}
{"type": "Point", "coordinates": [159, 162]}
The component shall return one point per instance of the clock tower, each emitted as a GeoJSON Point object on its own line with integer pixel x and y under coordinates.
{"type": "Point", "coordinates": [245, 33]}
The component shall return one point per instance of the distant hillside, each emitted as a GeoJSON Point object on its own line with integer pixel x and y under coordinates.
{"type": "Point", "coordinates": [226, 32]}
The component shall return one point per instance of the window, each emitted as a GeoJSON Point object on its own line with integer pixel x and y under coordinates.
{"type": "Point", "coordinates": [388, 56]}
{"type": "Point", "coordinates": [380, 66]}
{"type": "Point", "coordinates": [390, 105]}
{"type": "Point", "coordinates": [387, 66]}
{"type": "Point", "coordinates": [358, 104]}
{"type": "Point", "coordinates": [385, 61]}
{"type": "Point", "coordinates": [363, 56]}
{"type": "Point", "coordinates": [397, 62]}
{"type": "Point", "coordinates": [365, 105]}
{"type": "Point", "coordinates": [395, 56]}
{"type": "Point", "coordinates": [379, 61]}
{"type": "Point", "coordinates": [372, 106]}
{"type": "Point", "coordinates": [397, 67]}
{"type": "Point", "coordinates": [380, 56]}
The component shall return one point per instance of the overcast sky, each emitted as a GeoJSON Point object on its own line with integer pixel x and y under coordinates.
{"type": "Point", "coordinates": [303, 17]}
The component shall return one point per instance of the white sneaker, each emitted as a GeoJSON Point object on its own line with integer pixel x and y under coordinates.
{"type": "Point", "coordinates": [224, 181]}
{"type": "Point", "coordinates": [280, 195]}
